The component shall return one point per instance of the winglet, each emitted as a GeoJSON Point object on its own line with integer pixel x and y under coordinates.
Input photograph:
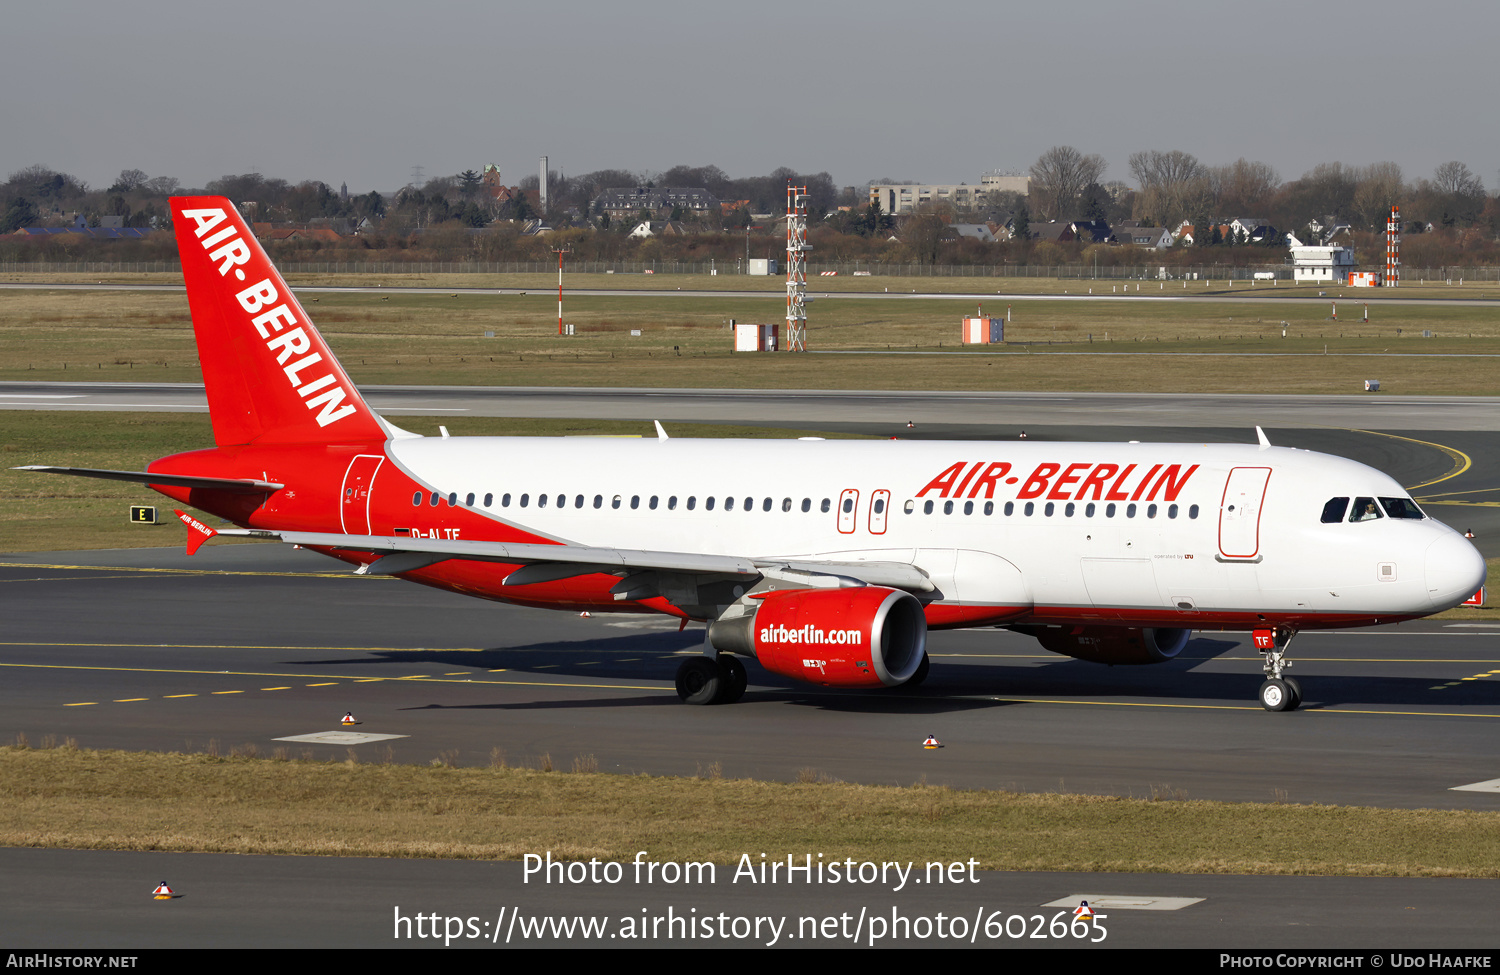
{"type": "Point", "coordinates": [661, 433]}
{"type": "Point", "coordinates": [1261, 436]}
{"type": "Point", "coordinates": [198, 532]}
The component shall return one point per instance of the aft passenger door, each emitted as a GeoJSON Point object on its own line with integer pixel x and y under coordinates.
{"type": "Point", "coordinates": [354, 501]}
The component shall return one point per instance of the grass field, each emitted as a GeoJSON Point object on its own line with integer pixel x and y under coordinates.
{"type": "Point", "coordinates": [288, 803]}
{"type": "Point", "coordinates": [684, 341]}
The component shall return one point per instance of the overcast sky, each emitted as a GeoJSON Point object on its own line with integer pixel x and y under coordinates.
{"type": "Point", "coordinates": [935, 91]}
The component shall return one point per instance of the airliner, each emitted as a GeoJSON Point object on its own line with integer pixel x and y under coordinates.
{"type": "Point", "coordinates": [826, 562]}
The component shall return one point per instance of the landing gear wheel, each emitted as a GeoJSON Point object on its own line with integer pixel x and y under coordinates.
{"type": "Point", "coordinates": [734, 682]}
{"type": "Point", "coordinates": [1275, 695]}
{"type": "Point", "coordinates": [699, 680]}
{"type": "Point", "coordinates": [1296, 689]}
{"type": "Point", "coordinates": [917, 677]}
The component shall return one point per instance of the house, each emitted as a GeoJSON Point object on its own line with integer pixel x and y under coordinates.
{"type": "Point", "coordinates": [1131, 232]}
{"type": "Point", "coordinates": [1051, 230]}
{"type": "Point", "coordinates": [976, 231]}
{"type": "Point", "coordinates": [1088, 231]}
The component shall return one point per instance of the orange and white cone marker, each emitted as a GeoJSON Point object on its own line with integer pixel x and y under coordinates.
{"type": "Point", "coordinates": [932, 742]}
{"type": "Point", "coordinates": [348, 718]}
{"type": "Point", "coordinates": [163, 892]}
{"type": "Point", "coordinates": [1083, 910]}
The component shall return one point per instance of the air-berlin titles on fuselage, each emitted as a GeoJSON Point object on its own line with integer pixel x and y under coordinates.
{"type": "Point", "coordinates": [228, 251]}
{"type": "Point", "coordinates": [1053, 482]}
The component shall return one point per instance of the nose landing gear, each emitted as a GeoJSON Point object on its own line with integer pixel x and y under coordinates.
{"type": "Point", "coordinates": [1278, 693]}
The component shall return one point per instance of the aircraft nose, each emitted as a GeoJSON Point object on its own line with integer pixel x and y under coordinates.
{"type": "Point", "coordinates": [1455, 570]}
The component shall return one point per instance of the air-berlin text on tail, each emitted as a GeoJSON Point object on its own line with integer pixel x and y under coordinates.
{"type": "Point", "coordinates": [229, 250]}
{"type": "Point", "coordinates": [1056, 482]}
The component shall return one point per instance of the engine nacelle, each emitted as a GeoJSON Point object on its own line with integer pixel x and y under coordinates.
{"type": "Point", "coordinates": [1113, 644]}
{"type": "Point", "coordinates": [860, 637]}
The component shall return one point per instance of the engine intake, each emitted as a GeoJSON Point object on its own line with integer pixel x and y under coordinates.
{"type": "Point", "coordinates": [1113, 644]}
{"type": "Point", "coordinates": [863, 637]}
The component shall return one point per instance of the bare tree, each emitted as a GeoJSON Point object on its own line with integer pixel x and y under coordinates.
{"type": "Point", "coordinates": [1379, 187]}
{"type": "Point", "coordinates": [1243, 188]}
{"type": "Point", "coordinates": [1458, 194]}
{"type": "Point", "coordinates": [1058, 177]}
{"type": "Point", "coordinates": [1172, 185]}
{"type": "Point", "coordinates": [1455, 178]}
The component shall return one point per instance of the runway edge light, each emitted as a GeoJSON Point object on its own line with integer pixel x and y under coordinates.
{"type": "Point", "coordinates": [163, 892]}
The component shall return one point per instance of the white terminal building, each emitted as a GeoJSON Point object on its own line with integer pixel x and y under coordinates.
{"type": "Point", "coordinates": [897, 198]}
{"type": "Point", "coordinates": [1320, 263]}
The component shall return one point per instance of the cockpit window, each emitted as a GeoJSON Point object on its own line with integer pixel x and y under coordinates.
{"type": "Point", "coordinates": [1333, 511]}
{"type": "Point", "coordinates": [1364, 510]}
{"type": "Point", "coordinates": [1401, 508]}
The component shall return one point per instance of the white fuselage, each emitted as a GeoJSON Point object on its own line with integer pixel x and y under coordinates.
{"type": "Point", "coordinates": [1198, 533]}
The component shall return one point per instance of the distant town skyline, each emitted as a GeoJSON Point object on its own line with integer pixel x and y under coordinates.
{"type": "Point", "coordinates": [361, 94]}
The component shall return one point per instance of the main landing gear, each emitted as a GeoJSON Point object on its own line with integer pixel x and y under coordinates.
{"type": "Point", "coordinates": [1278, 693]}
{"type": "Point", "coordinates": [712, 680]}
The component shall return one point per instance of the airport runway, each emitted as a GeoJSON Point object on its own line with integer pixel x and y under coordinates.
{"type": "Point", "coordinates": [1170, 293]}
{"type": "Point", "coordinates": [981, 413]}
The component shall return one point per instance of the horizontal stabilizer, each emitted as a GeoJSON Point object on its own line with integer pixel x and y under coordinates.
{"type": "Point", "coordinates": [232, 484]}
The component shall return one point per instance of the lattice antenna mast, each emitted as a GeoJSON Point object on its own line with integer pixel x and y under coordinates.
{"type": "Point", "coordinates": [796, 268]}
{"type": "Point", "coordinates": [1393, 249]}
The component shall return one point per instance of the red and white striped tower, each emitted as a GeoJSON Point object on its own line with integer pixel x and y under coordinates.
{"type": "Point", "coordinates": [796, 268]}
{"type": "Point", "coordinates": [560, 252]}
{"type": "Point", "coordinates": [1393, 249]}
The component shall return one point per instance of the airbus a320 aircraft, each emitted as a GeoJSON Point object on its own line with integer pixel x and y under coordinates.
{"type": "Point", "coordinates": [827, 562]}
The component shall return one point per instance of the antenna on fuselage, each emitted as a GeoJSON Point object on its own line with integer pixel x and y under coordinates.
{"type": "Point", "coordinates": [1261, 436]}
{"type": "Point", "coordinates": [661, 434]}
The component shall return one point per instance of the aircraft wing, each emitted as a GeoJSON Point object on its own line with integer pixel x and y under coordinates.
{"type": "Point", "coordinates": [549, 563]}
{"type": "Point", "coordinates": [231, 484]}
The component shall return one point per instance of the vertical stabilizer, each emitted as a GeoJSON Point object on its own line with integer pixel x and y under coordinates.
{"type": "Point", "coordinates": [270, 377]}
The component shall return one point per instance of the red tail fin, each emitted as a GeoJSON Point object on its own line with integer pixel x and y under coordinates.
{"type": "Point", "coordinates": [270, 378]}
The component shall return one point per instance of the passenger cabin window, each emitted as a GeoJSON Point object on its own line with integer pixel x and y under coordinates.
{"type": "Point", "coordinates": [1333, 511]}
{"type": "Point", "coordinates": [1364, 510]}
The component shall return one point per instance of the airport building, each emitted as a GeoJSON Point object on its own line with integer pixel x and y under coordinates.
{"type": "Point", "coordinates": [898, 198]}
{"type": "Point", "coordinates": [630, 200]}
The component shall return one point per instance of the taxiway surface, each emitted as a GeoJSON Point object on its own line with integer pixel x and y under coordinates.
{"type": "Point", "coordinates": [248, 644]}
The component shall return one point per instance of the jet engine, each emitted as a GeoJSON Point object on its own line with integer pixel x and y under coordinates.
{"type": "Point", "coordinates": [860, 637]}
{"type": "Point", "coordinates": [1113, 644]}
